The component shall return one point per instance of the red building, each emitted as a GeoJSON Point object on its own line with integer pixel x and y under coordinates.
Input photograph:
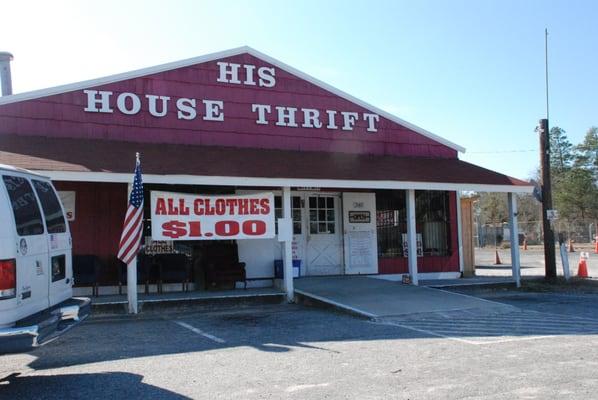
{"type": "Point", "coordinates": [361, 184]}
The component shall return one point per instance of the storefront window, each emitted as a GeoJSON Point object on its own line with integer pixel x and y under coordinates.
{"type": "Point", "coordinates": [390, 222]}
{"type": "Point", "coordinates": [433, 221]}
{"type": "Point", "coordinates": [295, 210]}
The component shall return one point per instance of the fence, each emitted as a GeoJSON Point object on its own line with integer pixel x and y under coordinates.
{"type": "Point", "coordinates": [495, 235]}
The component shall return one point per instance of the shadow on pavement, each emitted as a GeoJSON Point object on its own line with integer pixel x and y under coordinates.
{"type": "Point", "coordinates": [117, 385]}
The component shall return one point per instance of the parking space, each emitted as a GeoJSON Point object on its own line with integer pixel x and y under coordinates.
{"type": "Point", "coordinates": [474, 328]}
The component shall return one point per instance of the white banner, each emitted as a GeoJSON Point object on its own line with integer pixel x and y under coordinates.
{"type": "Point", "coordinates": [68, 203]}
{"type": "Point", "coordinates": [181, 216]}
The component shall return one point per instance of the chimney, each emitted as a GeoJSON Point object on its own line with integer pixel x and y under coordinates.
{"type": "Point", "coordinates": [5, 78]}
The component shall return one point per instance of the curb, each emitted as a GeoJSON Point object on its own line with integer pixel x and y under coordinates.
{"type": "Point", "coordinates": [187, 304]}
{"type": "Point", "coordinates": [310, 299]}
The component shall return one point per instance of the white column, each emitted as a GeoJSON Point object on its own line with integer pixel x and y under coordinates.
{"type": "Point", "coordinates": [459, 231]}
{"type": "Point", "coordinates": [132, 286]}
{"type": "Point", "coordinates": [515, 260]}
{"type": "Point", "coordinates": [131, 274]}
{"type": "Point", "coordinates": [411, 236]}
{"type": "Point", "coordinates": [288, 246]}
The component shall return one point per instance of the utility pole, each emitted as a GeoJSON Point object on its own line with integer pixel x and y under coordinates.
{"type": "Point", "coordinates": [549, 256]}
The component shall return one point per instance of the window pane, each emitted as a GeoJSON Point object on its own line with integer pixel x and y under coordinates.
{"type": "Point", "coordinates": [331, 227]}
{"type": "Point", "coordinates": [434, 216]}
{"type": "Point", "coordinates": [313, 227]}
{"type": "Point", "coordinates": [322, 227]}
{"type": "Point", "coordinates": [330, 215]}
{"type": "Point", "coordinates": [278, 213]}
{"type": "Point", "coordinates": [321, 202]}
{"type": "Point", "coordinates": [24, 206]}
{"type": "Point", "coordinates": [297, 228]}
{"type": "Point", "coordinates": [277, 202]}
{"type": "Point", "coordinates": [296, 202]}
{"type": "Point", "coordinates": [296, 215]}
{"type": "Point", "coordinates": [322, 215]}
{"type": "Point", "coordinates": [330, 202]}
{"type": "Point", "coordinates": [55, 222]}
{"type": "Point", "coordinates": [312, 202]}
{"type": "Point", "coordinates": [313, 215]}
{"type": "Point", "coordinates": [390, 222]}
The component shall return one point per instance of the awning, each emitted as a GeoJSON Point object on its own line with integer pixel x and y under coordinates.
{"type": "Point", "coordinates": [113, 161]}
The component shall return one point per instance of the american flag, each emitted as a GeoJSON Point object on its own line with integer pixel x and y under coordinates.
{"type": "Point", "coordinates": [130, 239]}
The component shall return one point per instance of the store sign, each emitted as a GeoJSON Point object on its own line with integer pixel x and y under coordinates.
{"type": "Point", "coordinates": [214, 110]}
{"type": "Point", "coordinates": [67, 198]}
{"type": "Point", "coordinates": [359, 217]}
{"type": "Point", "coordinates": [181, 216]}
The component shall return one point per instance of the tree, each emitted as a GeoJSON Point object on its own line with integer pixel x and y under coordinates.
{"type": "Point", "coordinates": [576, 197]}
{"type": "Point", "coordinates": [561, 151]}
{"type": "Point", "coordinates": [586, 155]}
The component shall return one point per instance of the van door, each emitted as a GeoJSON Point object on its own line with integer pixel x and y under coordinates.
{"type": "Point", "coordinates": [59, 243]}
{"type": "Point", "coordinates": [31, 244]}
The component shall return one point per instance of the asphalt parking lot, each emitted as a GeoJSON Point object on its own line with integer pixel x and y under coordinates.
{"type": "Point", "coordinates": [549, 349]}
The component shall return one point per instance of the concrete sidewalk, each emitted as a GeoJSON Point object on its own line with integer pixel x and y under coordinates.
{"type": "Point", "coordinates": [375, 298]}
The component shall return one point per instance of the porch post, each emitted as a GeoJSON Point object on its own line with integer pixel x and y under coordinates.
{"type": "Point", "coordinates": [412, 236]}
{"type": "Point", "coordinates": [460, 232]}
{"type": "Point", "coordinates": [132, 276]}
{"type": "Point", "coordinates": [287, 246]}
{"type": "Point", "coordinates": [132, 286]}
{"type": "Point", "coordinates": [512, 199]}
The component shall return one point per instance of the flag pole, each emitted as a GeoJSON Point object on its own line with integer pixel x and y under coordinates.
{"type": "Point", "coordinates": [132, 268]}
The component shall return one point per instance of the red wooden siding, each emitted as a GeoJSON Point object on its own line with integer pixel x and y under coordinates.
{"type": "Point", "coordinates": [99, 213]}
{"type": "Point", "coordinates": [63, 115]}
{"type": "Point", "coordinates": [450, 263]}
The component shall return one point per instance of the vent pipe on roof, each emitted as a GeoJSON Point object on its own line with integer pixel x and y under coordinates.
{"type": "Point", "coordinates": [5, 78]}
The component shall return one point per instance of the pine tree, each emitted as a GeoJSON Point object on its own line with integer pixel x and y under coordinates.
{"type": "Point", "coordinates": [587, 152]}
{"type": "Point", "coordinates": [561, 151]}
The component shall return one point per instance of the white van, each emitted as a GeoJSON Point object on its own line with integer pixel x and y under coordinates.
{"type": "Point", "coordinates": [36, 275]}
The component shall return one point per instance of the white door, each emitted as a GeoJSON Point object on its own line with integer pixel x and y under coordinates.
{"type": "Point", "coordinates": [323, 248]}
{"type": "Point", "coordinates": [361, 244]}
{"type": "Point", "coordinates": [59, 243]}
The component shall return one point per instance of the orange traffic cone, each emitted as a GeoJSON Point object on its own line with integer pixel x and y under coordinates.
{"type": "Point", "coordinates": [596, 245]}
{"type": "Point", "coordinates": [582, 267]}
{"type": "Point", "coordinates": [525, 245]}
{"type": "Point", "coordinates": [496, 258]}
{"type": "Point", "coordinates": [571, 249]}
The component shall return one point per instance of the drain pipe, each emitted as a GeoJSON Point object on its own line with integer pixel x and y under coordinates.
{"type": "Point", "coordinates": [5, 77]}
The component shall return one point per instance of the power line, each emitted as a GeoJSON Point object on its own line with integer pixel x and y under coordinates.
{"type": "Point", "coordinates": [502, 151]}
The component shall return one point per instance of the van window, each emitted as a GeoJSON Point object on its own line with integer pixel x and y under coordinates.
{"type": "Point", "coordinates": [24, 206]}
{"type": "Point", "coordinates": [51, 206]}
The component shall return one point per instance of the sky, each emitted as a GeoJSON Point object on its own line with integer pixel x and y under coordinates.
{"type": "Point", "coordinates": [471, 72]}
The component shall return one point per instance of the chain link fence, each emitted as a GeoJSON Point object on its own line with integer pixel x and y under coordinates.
{"type": "Point", "coordinates": [498, 235]}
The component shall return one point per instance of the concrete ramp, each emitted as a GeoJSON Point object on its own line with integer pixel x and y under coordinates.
{"type": "Point", "coordinates": [377, 298]}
